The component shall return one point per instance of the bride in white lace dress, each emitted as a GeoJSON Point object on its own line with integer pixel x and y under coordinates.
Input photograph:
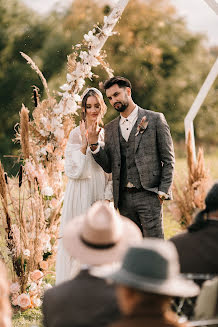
{"type": "Point", "coordinates": [87, 182]}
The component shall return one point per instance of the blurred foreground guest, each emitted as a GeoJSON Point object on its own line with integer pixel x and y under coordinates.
{"type": "Point", "coordinates": [97, 240]}
{"type": "Point", "coordinates": [5, 307]}
{"type": "Point", "coordinates": [147, 281]}
{"type": "Point", "coordinates": [198, 247]}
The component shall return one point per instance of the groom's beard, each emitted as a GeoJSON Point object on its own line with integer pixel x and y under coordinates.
{"type": "Point", "coordinates": [120, 107]}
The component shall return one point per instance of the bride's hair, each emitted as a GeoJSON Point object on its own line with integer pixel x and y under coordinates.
{"type": "Point", "coordinates": [96, 93]}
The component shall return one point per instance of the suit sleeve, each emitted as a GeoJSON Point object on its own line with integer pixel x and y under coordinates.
{"type": "Point", "coordinates": [102, 157]}
{"type": "Point", "coordinates": [166, 150]}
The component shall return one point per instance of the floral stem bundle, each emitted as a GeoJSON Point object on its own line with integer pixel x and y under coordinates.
{"type": "Point", "coordinates": [189, 195]}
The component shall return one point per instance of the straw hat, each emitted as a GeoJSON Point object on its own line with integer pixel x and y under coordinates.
{"type": "Point", "coordinates": [100, 236]}
{"type": "Point", "coordinates": [152, 266]}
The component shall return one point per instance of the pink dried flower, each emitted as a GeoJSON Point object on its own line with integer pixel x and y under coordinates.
{"type": "Point", "coordinates": [54, 203]}
{"type": "Point", "coordinates": [14, 299]}
{"type": "Point", "coordinates": [15, 288]}
{"type": "Point", "coordinates": [36, 275]}
{"type": "Point", "coordinates": [33, 289]}
{"type": "Point", "coordinates": [36, 302]}
{"type": "Point", "coordinates": [24, 301]}
{"type": "Point", "coordinates": [43, 265]}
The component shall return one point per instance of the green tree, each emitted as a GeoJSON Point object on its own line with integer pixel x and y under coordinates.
{"type": "Point", "coordinates": [21, 30]}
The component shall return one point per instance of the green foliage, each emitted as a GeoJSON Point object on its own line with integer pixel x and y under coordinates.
{"type": "Point", "coordinates": [21, 30]}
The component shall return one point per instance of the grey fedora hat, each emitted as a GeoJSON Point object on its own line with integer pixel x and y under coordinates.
{"type": "Point", "coordinates": [152, 266]}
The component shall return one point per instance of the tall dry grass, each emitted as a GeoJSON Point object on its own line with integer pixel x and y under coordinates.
{"type": "Point", "coordinates": [189, 194]}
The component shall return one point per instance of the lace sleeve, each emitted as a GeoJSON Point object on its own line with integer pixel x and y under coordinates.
{"type": "Point", "coordinates": [75, 160]}
{"type": "Point", "coordinates": [108, 192]}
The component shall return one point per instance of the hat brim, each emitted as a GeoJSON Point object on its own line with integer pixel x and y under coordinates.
{"type": "Point", "coordinates": [76, 248]}
{"type": "Point", "coordinates": [171, 287]}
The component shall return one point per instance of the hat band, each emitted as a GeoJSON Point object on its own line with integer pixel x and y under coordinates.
{"type": "Point", "coordinates": [97, 246]}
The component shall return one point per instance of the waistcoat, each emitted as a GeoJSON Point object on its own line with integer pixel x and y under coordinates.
{"type": "Point", "coordinates": [129, 171]}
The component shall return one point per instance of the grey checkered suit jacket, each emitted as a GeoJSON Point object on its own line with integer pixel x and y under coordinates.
{"type": "Point", "coordinates": [153, 151]}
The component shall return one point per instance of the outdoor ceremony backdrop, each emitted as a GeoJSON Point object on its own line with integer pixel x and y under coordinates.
{"type": "Point", "coordinates": [165, 62]}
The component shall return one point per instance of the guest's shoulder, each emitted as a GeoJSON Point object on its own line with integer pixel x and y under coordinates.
{"type": "Point", "coordinates": [181, 238]}
{"type": "Point", "coordinates": [58, 289]}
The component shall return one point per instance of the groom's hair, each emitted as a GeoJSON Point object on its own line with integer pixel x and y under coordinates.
{"type": "Point", "coordinates": [119, 80]}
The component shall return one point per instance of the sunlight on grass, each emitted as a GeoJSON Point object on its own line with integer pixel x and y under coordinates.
{"type": "Point", "coordinates": [28, 318]}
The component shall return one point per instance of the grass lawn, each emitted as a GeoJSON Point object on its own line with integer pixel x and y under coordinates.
{"type": "Point", "coordinates": [32, 317]}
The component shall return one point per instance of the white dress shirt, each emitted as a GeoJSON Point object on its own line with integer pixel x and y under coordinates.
{"type": "Point", "coordinates": [126, 124]}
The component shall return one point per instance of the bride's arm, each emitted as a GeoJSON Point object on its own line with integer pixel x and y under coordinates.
{"type": "Point", "coordinates": [75, 159]}
{"type": "Point", "coordinates": [108, 192]}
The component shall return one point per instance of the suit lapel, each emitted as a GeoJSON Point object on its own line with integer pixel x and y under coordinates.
{"type": "Point", "coordinates": [141, 113]}
{"type": "Point", "coordinates": [116, 135]}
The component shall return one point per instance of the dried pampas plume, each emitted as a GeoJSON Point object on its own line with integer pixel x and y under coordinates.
{"type": "Point", "coordinates": [189, 194]}
{"type": "Point", "coordinates": [37, 70]}
{"type": "Point", "coordinates": [24, 131]}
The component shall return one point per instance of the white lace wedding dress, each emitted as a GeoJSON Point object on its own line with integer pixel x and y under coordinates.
{"type": "Point", "coordinates": [87, 183]}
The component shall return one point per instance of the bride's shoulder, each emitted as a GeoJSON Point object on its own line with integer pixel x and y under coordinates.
{"type": "Point", "coordinates": [75, 135]}
{"type": "Point", "coordinates": [75, 131]}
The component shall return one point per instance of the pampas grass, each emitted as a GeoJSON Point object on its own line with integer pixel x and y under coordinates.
{"type": "Point", "coordinates": [24, 132]}
{"type": "Point", "coordinates": [189, 195]}
{"type": "Point", "coordinates": [37, 70]}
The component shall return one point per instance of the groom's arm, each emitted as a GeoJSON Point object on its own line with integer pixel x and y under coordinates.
{"type": "Point", "coordinates": [166, 150]}
{"type": "Point", "coordinates": [102, 154]}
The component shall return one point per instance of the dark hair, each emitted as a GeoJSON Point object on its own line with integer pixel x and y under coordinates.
{"type": "Point", "coordinates": [99, 98]}
{"type": "Point", "coordinates": [120, 81]}
{"type": "Point", "coordinates": [200, 221]}
{"type": "Point", "coordinates": [211, 202]}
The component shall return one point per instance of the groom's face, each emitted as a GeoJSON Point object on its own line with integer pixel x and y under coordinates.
{"type": "Point", "coordinates": [118, 97]}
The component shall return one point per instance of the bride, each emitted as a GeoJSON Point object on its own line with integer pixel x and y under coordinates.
{"type": "Point", "coordinates": [87, 182]}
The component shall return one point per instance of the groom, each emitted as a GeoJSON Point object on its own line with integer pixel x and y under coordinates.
{"type": "Point", "coordinates": [139, 152]}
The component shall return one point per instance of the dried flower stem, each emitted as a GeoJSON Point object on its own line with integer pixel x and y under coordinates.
{"type": "Point", "coordinates": [37, 70]}
{"type": "Point", "coordinates": [24, 132]}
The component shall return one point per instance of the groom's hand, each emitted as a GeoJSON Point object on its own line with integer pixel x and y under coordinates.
{"type": "Point", "coordinates": [93, 133]}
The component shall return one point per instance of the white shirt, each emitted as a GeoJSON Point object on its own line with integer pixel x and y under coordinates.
{"type": "Point", "coordinates": [126, 124]}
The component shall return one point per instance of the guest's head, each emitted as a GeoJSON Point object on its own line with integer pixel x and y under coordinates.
{"type": "Point", "coordinates": [118, 91]}
{"type": "Point", "coordinates": [93, 105]}
{"type": "Point", "coordinates": [210, 211]}
{"type": "Point", "coordinates": [150, 277]}
{"type": "Point", "coordinates": [101, 236]}
{"type": "Point", "coordinates": [5, 307]}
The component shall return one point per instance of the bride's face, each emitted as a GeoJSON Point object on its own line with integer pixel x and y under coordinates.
{"type": "Point", "coordinates": [93, 109]}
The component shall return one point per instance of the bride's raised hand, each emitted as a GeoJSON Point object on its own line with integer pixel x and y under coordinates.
{"type": "Point", "coordinates": [83, 132]}
{"type": "Point", "coordinates": [93, 132]}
